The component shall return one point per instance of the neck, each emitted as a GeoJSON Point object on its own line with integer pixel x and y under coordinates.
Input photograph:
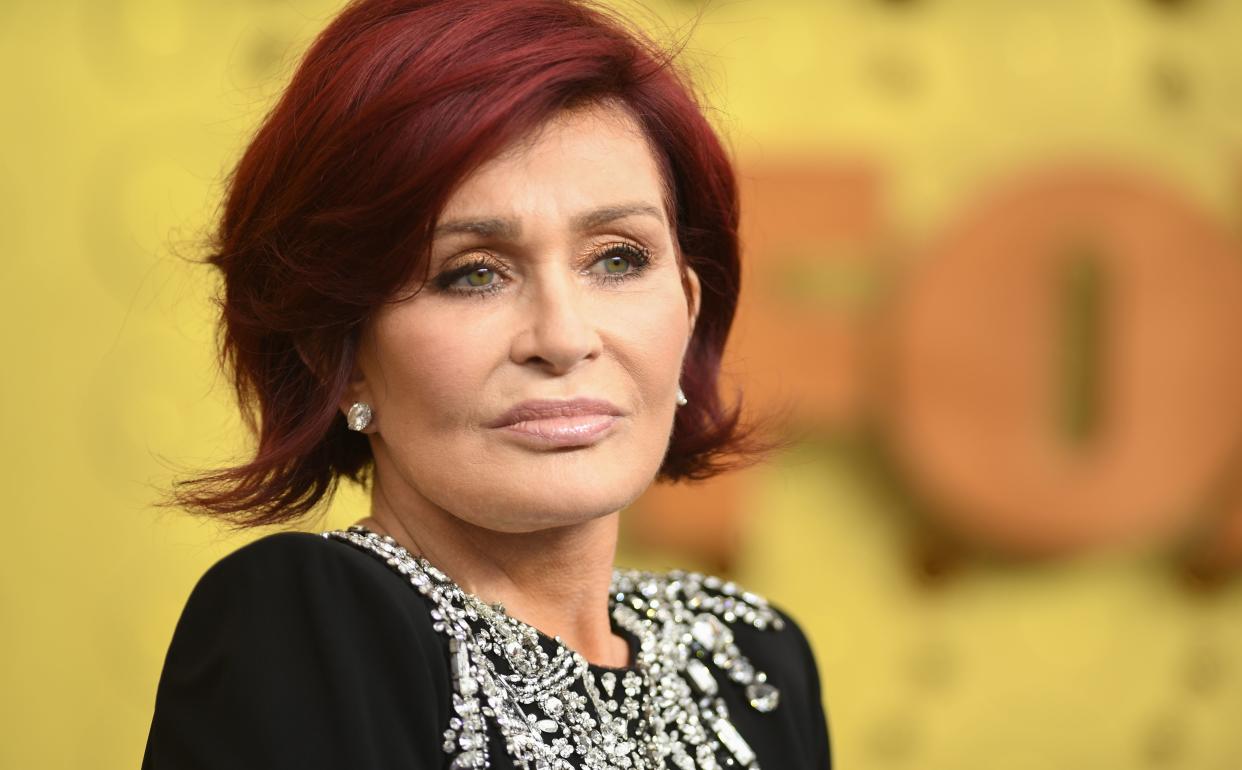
{"type": "Point", "coordinates": [556, 580]}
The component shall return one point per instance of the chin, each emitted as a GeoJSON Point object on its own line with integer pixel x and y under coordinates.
{"type": "Point", "coordinates": [547, 501]}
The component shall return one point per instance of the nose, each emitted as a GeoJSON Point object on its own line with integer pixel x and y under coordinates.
{"type": "Point", "coordinates": [558, 329]}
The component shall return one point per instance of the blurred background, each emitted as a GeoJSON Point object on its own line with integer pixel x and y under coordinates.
{"type": "Point", "coordinates": [994, 273]}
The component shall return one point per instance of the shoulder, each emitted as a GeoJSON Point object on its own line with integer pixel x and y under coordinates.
{"type": "Point", "coordinates": [758, 648]}
{"type": "Point", "coordinates": [304, 588]}
{"type": "Point", "coordinates": [704, 594]}
{"type": "Point", "coordinates": [289, 643]}
{"type": "Point", "coordinates": [287, 557]}
{"type": "Point", "coordinates": [784, 654]}
{"type": "Point", "coordinates": [721, 616]}
{"type": "Point", "coordinates": [302, 577]}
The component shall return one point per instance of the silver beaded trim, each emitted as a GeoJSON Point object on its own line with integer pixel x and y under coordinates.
{"type": "Point", "coordinates": [555, 712]}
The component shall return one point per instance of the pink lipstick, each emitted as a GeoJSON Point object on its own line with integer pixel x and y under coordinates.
{"type": "Point", "coordinates": [547, 423]}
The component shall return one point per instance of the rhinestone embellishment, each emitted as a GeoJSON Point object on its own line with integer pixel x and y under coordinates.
{"type": "Point", "coordinates": [762, 696]}
{"type": "Point", "coordinates": [555, 712]}
{"type": "Point", "coordinates": [359, 416]}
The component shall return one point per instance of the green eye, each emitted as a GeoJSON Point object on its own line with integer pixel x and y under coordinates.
{"type": "Point", "coordinates": [480, 277]}
{"type": "Point", "coordinates": [616, 264]}
{"type": "Point", "coordinates": [620, 260]}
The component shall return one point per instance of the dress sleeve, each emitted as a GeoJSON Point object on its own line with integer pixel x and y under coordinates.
{"type": "Point", "coordinates": [298, 652]}
{"type": "Point", "coordinates": [817, 721]}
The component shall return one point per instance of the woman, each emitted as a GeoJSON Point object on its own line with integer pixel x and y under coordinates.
{"type": "Point", "coordinates": [482, 256]}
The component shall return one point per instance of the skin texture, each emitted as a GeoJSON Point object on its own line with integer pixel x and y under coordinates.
{"type": "Point", "coordinates": [556, 308]}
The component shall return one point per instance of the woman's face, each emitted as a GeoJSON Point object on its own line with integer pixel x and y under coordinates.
{"type": "Point", "coordinates": [532, 382]}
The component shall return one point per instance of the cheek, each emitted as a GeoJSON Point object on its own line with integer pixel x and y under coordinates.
{"type": "Point", "coordinates": [655, 334]}
{"type": "Point", "coordinates": [429, 367]}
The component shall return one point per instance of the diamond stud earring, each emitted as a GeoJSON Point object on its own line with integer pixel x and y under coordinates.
{"type": "Point", "coordinates": [359, 416]}
{"type": "Point", "coordinates": [681, 398]}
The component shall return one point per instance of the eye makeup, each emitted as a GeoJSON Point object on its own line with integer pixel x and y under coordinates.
{"type": "Point", "coordinates": [484, 275]}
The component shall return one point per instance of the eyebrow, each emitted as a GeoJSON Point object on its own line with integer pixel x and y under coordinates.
{"type": "Point", "coordinates": [496, 227]}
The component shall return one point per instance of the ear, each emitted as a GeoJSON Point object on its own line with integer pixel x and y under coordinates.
{"type": "Point", "coordinates": [357, 390]}
{"type": "Point", "coordinates": [694, 296]}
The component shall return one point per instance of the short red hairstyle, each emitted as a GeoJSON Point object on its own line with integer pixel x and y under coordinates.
{"type": "Point", "coordinates": [330, 210]}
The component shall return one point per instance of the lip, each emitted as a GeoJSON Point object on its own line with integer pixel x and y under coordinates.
{"type": "Point", "coordinates": [559, 423]}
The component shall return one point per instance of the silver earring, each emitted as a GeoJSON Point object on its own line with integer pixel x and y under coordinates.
{"type": "Point", "coordinates": [359, 416]}
{"type": "Point", "coordinates": [681, 398]}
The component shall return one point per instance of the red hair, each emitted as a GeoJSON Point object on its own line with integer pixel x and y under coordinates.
{"type": "Point", "coordinates": [330, 211]}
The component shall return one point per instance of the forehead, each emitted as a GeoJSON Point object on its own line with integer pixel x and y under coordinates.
{"type": "Point", "coordinates": [581, 158]}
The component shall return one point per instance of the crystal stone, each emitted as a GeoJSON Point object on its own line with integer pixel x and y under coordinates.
{"type": "Point", "coordinates": [734, 741]}
{"type": "Point", "coordinates": [706, 629]}
{"type": "Point", "coordinates": [702, 677]}
{"type": "Point", "coordinates": [552, 705]}
{"type": "Point", "coordinates": [467, 759]}
{"type": "Point", "coordinates": [762, 696]}
{"type": "Point", "coordinates": [359, 416]}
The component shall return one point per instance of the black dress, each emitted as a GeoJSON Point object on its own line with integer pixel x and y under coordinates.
{"type": "Point", "coordinates": [298, 651]}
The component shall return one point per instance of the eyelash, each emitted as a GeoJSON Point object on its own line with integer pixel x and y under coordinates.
{"type": "Point", "coordinates": [639, 258]}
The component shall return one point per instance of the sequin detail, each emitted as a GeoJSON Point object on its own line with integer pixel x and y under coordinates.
{"type": "Point", "coordinates": [556, 712]}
